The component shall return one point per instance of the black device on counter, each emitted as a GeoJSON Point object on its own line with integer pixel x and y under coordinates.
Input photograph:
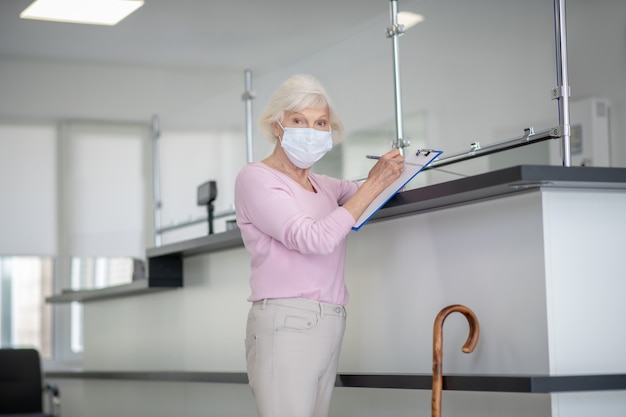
{"type": "Point", "coordinates": [207, 193]}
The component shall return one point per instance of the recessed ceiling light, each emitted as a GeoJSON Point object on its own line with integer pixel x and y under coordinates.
{"type": "Point", "coordinates": [409, 19]}
{"type": "Point", "coordinates": [94, 12]}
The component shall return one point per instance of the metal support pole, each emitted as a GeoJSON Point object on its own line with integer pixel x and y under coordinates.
{"type": "Point", "coordinates": [156, 181]}
{"type": "Point", "coordinates": [394, 32]}
{"type": "Point", "coordinates": [248, 96]}
{"type": "Point", "coordinates": [562, 90]}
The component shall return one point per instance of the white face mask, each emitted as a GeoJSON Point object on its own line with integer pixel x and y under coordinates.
{"type": "Point", "coordinates": [305, 146]}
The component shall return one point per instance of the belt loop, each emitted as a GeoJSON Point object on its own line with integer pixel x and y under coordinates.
{"type": "Point", "coordinates": [264, 304]}
{"type": "Point", "coordinates": [321, 310]}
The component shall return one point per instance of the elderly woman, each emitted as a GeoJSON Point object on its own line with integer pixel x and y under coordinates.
{"type": "Point", "coordinates": [294, 224]}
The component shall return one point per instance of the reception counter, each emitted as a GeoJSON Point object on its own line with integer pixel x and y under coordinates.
{"type": "Point", "coordinates": [535, 251]}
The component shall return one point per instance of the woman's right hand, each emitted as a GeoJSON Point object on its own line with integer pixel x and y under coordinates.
{"type": "Point", "coordinates": [386, 170]}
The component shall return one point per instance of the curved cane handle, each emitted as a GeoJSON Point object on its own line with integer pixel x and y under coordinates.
{"type": "Point", "coordinates": [468, 347]}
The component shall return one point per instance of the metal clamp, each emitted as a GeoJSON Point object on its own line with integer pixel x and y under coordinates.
{"type": "Point", "coordinates": [400, 143]}
{"type": "Point", "coordinates": [248, 95]}
{"type": "Point", "coordinates": [528, 132]}
{"type": "Point", "coordinates": [396, 29]}
{"type": "Point", "coordinates": [557, 92]}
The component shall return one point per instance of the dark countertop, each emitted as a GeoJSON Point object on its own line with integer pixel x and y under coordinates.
{"type": "Point", "coordinates": [501, 182]}
{"type": "Point", "coordinates": [491, 184]}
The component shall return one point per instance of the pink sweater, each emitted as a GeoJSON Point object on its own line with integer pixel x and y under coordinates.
{"type": "Point", "coordinates": [296, 238]}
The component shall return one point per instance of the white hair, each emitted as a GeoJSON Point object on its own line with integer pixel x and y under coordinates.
{"type": "Point", "coordinates": [297, 93]}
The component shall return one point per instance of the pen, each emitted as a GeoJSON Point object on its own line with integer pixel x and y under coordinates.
{"type": "Point", "coordinates": [380, 157]}
{"type": "Point", "coordinates": [420, 165]}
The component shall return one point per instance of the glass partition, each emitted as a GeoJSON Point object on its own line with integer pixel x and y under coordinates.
{"type": "Point", "coordinates": [472, 73]}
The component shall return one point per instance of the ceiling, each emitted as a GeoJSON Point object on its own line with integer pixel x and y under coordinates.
{"type": "Point", "coordinates": [215, 37]}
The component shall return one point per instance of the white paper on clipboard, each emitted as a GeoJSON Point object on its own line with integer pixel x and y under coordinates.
{"type": "Point", "coordinates": [414, 163]}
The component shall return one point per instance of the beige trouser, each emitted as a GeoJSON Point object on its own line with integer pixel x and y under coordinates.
{"type": "Point", "coordinates": [292, 351]}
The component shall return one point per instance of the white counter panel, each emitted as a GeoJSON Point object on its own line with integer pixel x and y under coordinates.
{"type": "Point", "coordinates": [585, 241]}
{"type": "Point", "coordinates": [486, 255]}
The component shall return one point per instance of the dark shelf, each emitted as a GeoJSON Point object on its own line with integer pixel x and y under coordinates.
{"type": "Point", "coordinates": [536, 384]}
{"type": "Point", "coordinates": [206, 244]}
{"type": "Point", "coordinates": [498, 183]}
{"type": "Point", "coordinates": [133, 288]}
{"type": "Point", "coordinates": [165, 273]}
{"type": "Point", "coordinates": [489, 383]}
{"type": "Point", "coordinates": [165, 269]}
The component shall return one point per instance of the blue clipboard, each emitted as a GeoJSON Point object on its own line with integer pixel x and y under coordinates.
{"type": "Point", "coordinates": [414, 162]}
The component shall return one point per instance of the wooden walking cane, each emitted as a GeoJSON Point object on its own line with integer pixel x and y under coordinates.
{"type": "Point", "coordinates": [468, 347]}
